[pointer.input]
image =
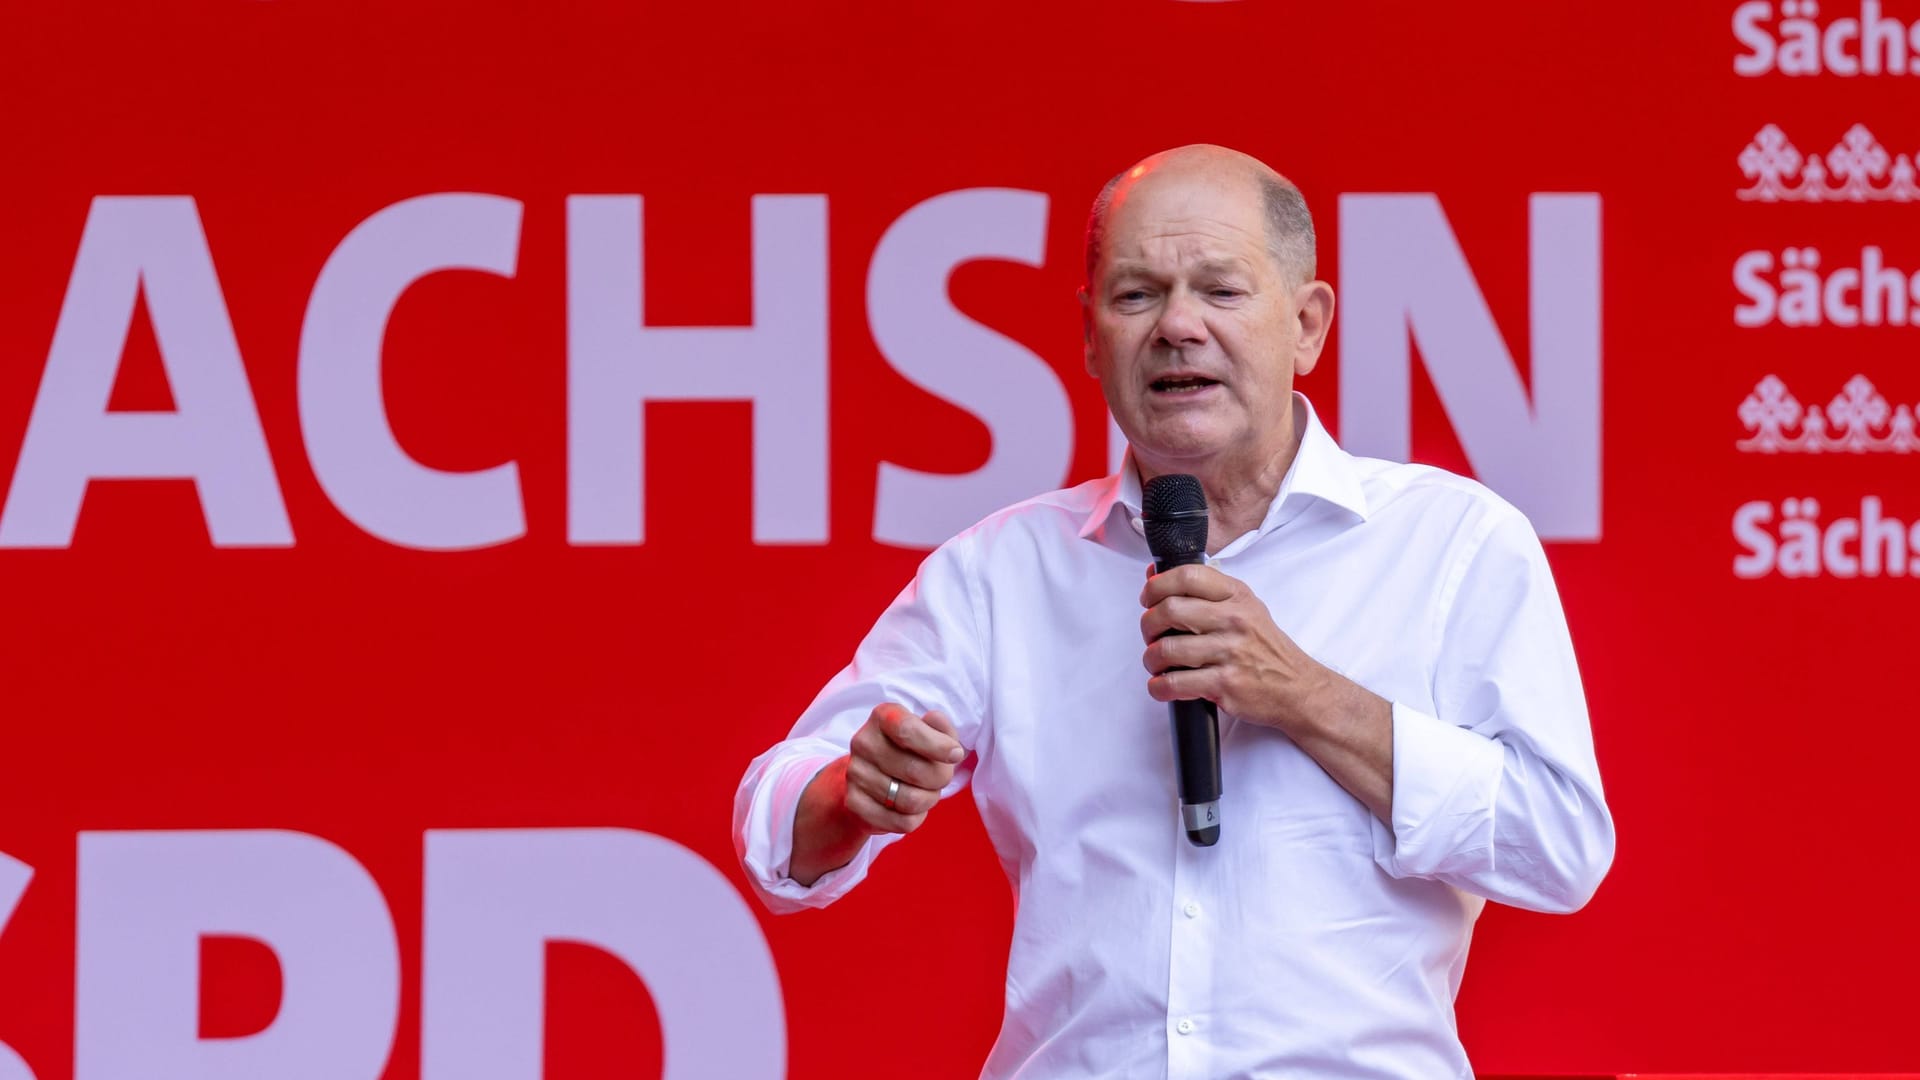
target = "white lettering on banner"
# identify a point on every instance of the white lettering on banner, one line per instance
(15, 876)
(1869, 545)
(145, 899)
(616, 364)
(939, 349)
(343, 417)
(1872, 44)
(213, 436)
(1869, 293)
(494, 898)
(1403, 277)
(1402, 269)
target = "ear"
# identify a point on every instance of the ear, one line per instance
(1314, 304)
(1086, 331)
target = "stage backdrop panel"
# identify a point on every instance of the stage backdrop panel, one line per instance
(443, 443)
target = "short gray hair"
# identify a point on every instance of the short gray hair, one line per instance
(1290, 236)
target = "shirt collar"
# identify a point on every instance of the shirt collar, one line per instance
(1320, 470)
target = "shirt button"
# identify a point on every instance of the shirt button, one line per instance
(1184, 1027)
(1192, 909)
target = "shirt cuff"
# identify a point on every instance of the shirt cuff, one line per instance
(1446, 780)
(768, 848)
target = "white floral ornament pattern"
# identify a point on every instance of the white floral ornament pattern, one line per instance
(1862, 169)
(1857, 421)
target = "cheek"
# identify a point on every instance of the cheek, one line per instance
(1264, 355)
(1113, 349)
(1279, 333)
(1112, 328)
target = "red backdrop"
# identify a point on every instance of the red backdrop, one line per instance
(1754, 735)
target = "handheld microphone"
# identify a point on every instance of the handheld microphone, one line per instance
(1173, 513)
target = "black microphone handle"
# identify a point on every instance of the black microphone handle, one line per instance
(1196, 749)
(1196, 753)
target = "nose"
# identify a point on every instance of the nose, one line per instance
(1181, 324)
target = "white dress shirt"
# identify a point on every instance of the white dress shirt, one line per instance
(1313, 941)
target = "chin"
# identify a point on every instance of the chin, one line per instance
(1173, 447)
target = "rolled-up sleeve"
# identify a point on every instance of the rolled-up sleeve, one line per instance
(1497, 792)
(925, 652)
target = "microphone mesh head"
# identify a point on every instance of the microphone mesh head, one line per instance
(1173, 512)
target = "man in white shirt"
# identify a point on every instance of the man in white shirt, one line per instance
(1403, 733)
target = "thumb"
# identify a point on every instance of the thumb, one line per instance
(940, 722)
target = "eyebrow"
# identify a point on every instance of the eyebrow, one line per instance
(1224, 266)
(1209, 267)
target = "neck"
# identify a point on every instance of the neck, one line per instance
(1240, 488)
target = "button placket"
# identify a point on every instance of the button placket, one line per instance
(1190, 967)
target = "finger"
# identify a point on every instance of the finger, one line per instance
(899, 763)
(1182, 614)
(1181, 651)
(908, 798)
(887, 712)
(912, 733)
(868, 809)
(1195, 580)
(1187, 684)
(877, 741)
(942, 723)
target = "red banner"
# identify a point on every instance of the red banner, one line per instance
(442, 445)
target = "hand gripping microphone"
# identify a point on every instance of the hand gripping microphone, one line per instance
(1173, 512)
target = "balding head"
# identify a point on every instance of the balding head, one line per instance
(1290, 237)
(1200, 311)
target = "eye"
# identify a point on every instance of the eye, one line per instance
(1221, 292)
(1130, 296)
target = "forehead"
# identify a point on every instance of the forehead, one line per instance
(1184, 219)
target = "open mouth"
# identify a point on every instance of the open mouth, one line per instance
(1182, 384)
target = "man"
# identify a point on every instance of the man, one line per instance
(1413, 742)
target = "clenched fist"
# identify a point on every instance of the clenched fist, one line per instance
(892, 775)
(897, 766)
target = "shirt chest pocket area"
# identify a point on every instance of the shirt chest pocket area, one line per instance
(1318, 873)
